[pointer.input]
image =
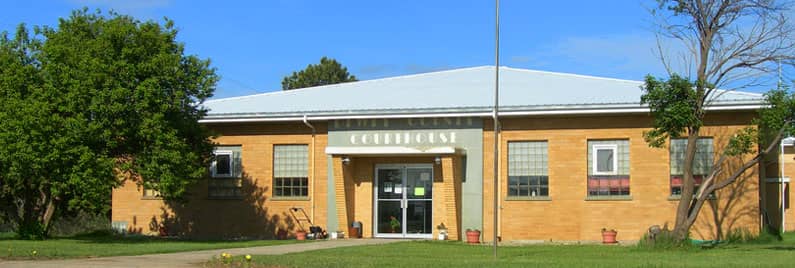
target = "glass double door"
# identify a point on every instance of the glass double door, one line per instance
(403, 201)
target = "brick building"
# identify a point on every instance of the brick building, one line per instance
(406, 154)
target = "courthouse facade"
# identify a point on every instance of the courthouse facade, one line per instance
(406, 155)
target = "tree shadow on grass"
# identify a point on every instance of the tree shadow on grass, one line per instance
(787, 248)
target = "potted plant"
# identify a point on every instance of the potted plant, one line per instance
(300, 235)
(442, 231)
(473, 236)
(609, 236)
(394, 224)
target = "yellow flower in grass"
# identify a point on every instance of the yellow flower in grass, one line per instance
(34, 253)
(248, 257)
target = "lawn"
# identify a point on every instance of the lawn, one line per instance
(439, 254)
(98, 245)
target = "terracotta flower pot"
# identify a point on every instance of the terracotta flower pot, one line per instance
(609, 237)
(354, 232)
(300, 235)
(473, 236)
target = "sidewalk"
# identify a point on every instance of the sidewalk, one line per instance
(192, 258)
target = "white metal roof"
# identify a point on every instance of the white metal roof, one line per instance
(462, 92)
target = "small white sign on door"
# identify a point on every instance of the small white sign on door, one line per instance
(387, 187)
(398, 188)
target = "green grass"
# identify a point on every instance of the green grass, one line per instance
(98, 245)
(439, 254)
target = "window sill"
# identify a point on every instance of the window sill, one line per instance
(151, 198)
(288, 198)
(224, 198)
(528, 198)
(609, 198)
(679, 197)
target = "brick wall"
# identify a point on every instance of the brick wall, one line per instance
(568, 216)
(257, 214)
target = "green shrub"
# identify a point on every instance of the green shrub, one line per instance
(739, 235)
(664, 240)
(80, 223)
(768, 235)
(743, 235)
(31, 231)
(5, 224)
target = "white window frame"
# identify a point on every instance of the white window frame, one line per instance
(595, 160)
(231, 164)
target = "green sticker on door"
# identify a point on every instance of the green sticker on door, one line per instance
(419, 191)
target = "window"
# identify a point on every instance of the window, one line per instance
(149, 191)
(608, 168)
(605, 161)
(290, 170)
(527, 169)
(226, 173)
(702, 162)
(222, 166)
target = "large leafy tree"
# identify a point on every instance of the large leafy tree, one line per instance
(728, 44)
(328, 72)
(99, 99)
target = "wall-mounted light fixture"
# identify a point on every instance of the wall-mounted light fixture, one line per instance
(346, 160)
(437, 160)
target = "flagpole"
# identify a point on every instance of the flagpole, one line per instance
(496, 126)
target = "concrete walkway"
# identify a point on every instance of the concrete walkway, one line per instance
(192, 258)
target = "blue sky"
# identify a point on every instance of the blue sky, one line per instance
(254, 44)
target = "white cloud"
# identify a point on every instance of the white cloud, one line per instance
(628, 56)
(625, 56)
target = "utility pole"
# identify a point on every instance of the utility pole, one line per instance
(780, 82)
(496, 125)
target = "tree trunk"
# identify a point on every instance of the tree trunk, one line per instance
(34, 216)
(683, 211)
(47, 217)
(687, 208)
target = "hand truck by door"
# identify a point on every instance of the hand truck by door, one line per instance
(315, 232)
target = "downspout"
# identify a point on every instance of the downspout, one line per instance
(312, 167)
(781, 162)
(781, 185)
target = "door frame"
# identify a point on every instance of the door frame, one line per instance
(403, 202)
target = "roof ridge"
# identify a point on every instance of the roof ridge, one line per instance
(456, 70)
(572, 75)
(730, 91)
(294, 91)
